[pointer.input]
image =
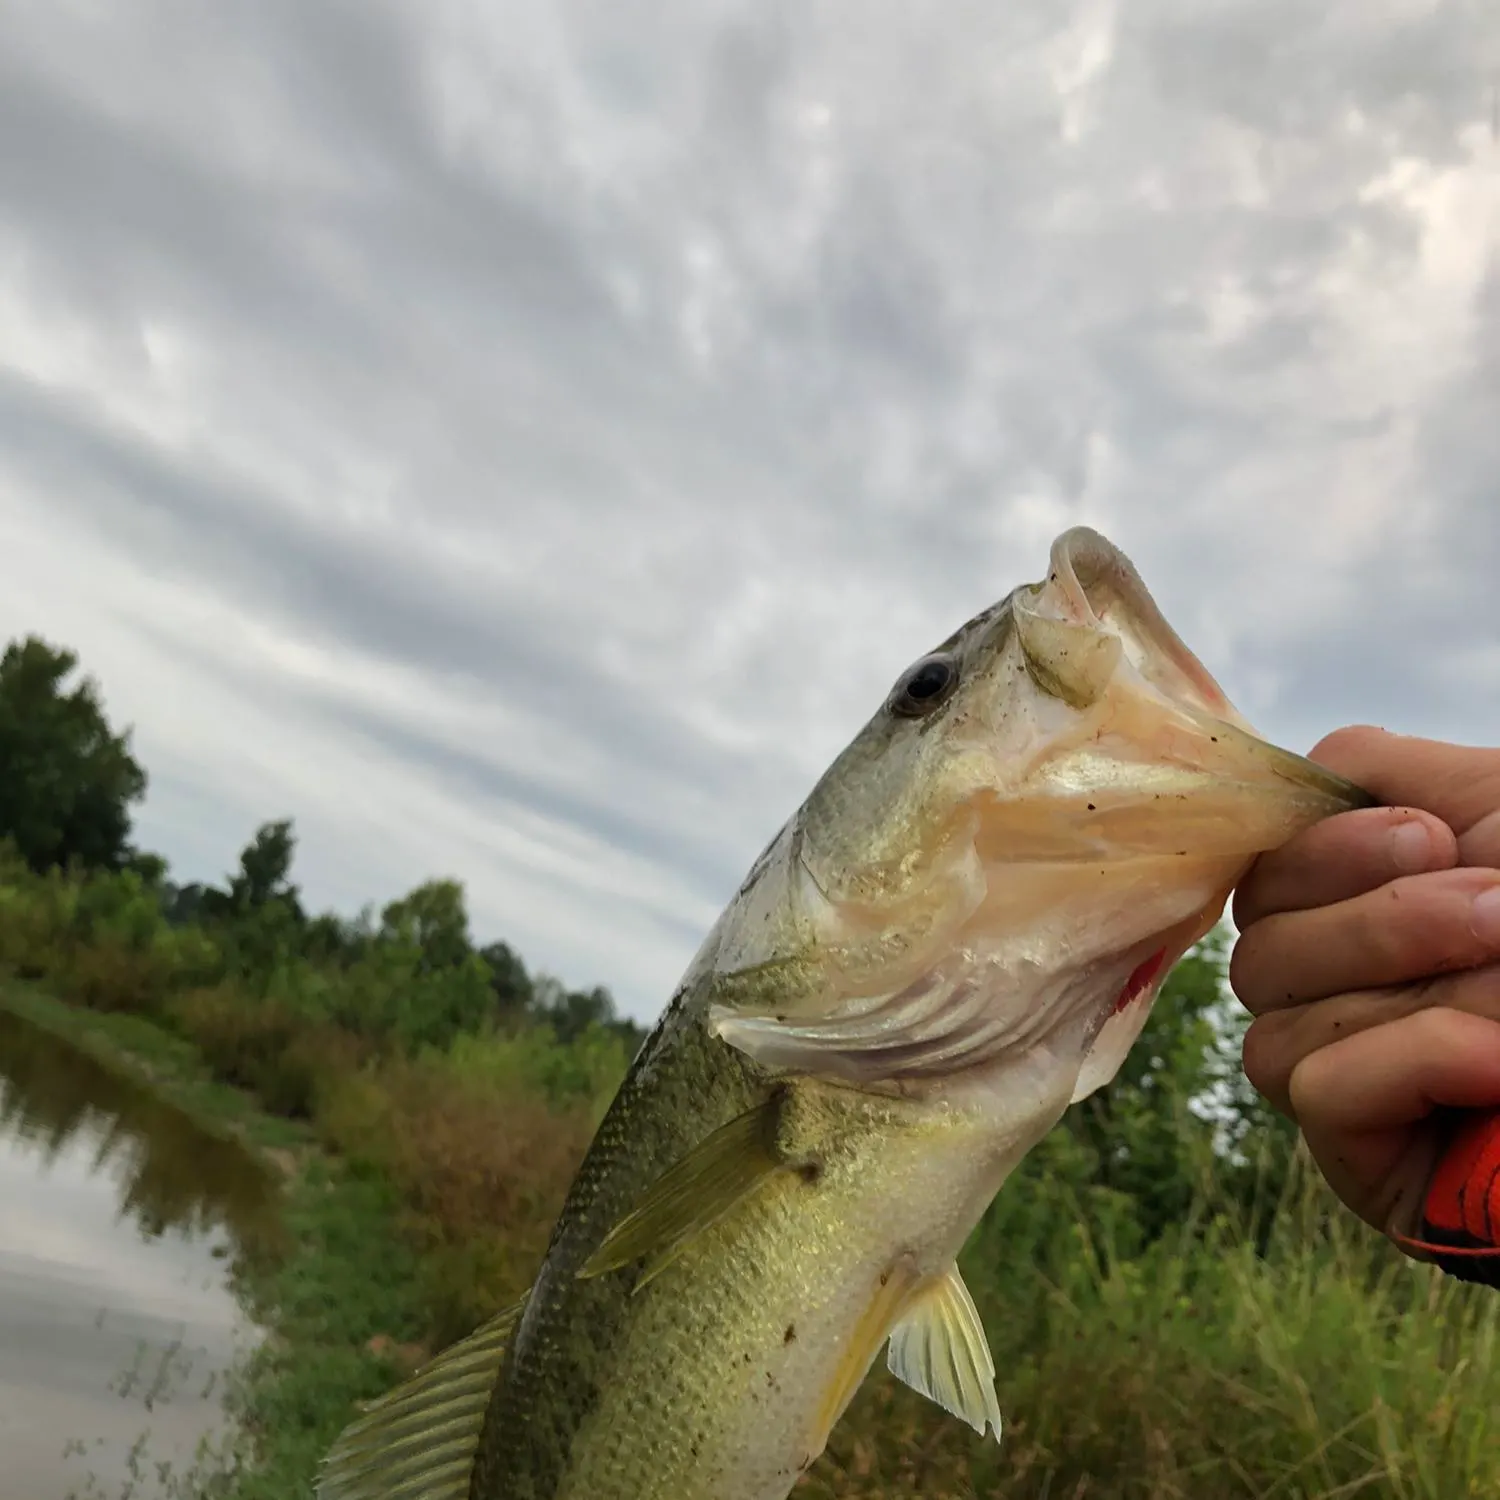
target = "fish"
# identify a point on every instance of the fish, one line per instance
(958, 934)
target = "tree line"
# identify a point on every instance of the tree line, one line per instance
(69, 782)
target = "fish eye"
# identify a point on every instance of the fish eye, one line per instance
(925, 686)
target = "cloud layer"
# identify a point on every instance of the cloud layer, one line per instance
(523, 442)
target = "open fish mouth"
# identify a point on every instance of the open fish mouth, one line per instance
(1090, 796)
(1140, 749)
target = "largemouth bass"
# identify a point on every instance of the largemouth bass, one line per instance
(960, 932)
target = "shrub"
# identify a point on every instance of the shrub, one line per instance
(584, 1072)
(264, 1046)
(484, 1172)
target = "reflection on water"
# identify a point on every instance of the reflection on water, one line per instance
(117, 1214)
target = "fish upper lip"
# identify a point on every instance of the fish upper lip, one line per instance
(1082, 559)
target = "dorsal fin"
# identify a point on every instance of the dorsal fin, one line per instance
(417, 1442)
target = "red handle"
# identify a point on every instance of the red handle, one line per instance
(1461, 1214)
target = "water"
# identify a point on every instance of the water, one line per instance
(118, 1220)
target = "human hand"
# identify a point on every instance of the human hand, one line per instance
(1370, 956)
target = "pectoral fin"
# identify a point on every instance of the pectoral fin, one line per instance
(939, 1349)
(418, 1442)
(721, 1172)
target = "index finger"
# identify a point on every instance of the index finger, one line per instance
(1458, 783)
(1342, 857)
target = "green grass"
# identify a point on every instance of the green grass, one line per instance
(141, 1049)
(345, 1294)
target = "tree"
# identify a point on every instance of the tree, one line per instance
(184, 904)
(67, 781)
(573, 1013)
(260, 917)
(265, 873)
(508, 979)
(433, 919)
(152, 868)
(581, 1009)
(331, 939)
(432, 985)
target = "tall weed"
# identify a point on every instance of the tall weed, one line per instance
(483, 1172)
(1327, 1366)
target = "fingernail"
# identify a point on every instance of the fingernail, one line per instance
(1411, 847)
(1484, 916)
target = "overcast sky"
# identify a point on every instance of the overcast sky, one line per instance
(523, 440)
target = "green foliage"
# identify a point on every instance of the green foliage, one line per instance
(584, 1071)
(256, 1047)
(433, 922)
(346, 1308)
(571, 1014)
(509, 980)
(264, 875)
(386, 995)
(258, 918)
(67, 781)
(482, 1172)
(102, 941)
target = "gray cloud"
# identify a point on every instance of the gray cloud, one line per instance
(527, 443)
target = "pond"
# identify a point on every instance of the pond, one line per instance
(119, 1219)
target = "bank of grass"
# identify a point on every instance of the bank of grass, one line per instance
(145, 1050)
(1280, 1355)
(421, 1206)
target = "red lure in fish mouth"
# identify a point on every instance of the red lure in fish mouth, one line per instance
(1141, 979)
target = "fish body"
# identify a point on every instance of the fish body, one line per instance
(960, 932)
(726, 1370)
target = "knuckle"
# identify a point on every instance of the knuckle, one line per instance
(1246, 966)
(1264, 1056)
(1480, 845)
(1472, 991)
(1347, 746)
(1437, 1028)
(1398, 931)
